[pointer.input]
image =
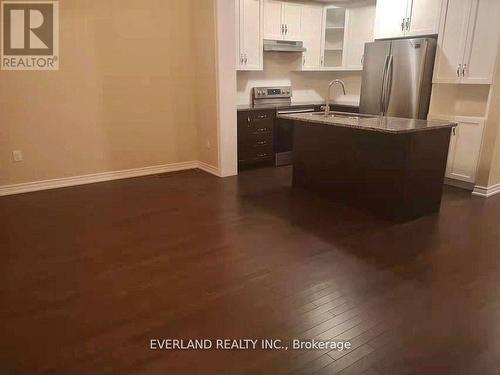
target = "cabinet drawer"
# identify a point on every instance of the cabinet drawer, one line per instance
(255, 151)
(256, 140)
(251, 116)
(255, 156)
(255, 122)
(255, 127)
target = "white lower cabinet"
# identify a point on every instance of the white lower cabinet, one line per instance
(465, 147)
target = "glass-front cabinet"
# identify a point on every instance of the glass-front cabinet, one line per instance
(334, 37)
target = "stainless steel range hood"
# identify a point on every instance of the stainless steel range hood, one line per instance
(283, 46)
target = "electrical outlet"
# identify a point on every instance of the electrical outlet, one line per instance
(17, 155)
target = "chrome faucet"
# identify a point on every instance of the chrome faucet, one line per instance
(328, 100)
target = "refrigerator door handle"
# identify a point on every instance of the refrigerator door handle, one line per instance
(383, 84)
(388, 88)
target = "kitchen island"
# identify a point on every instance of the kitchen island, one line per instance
(392, 167)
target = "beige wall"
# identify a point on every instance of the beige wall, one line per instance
(124, 97)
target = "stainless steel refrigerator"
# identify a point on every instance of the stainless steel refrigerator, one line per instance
(397, 77)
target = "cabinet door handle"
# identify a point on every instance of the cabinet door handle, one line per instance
(403, 25)
(286, 29)
(303, 59)
(262, 129)
(262, 142)
(408, 24)
(282, 29)
(246, 59)
(454, 131)
(464, 69)
(459, 69)
(261, 117)
(261, 155)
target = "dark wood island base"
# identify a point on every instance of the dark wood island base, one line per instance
(395, 175)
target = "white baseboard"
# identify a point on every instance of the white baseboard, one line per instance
(104, 176)
(459, 184)
(209, 168)
(485, 192)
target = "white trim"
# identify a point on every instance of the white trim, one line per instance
(225, 16)
(209, 168)
(104, 176)
(459, 184)
(486, 192)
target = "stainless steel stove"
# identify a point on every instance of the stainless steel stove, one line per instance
(265, 96)
(280, 97)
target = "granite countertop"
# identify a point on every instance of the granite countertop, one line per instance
(382, 124)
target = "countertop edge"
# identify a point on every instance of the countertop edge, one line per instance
(442, 125)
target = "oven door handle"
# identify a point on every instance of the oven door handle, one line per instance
(296, 111)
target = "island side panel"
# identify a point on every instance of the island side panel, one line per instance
(425, 172)
(359, 167)
(394, 175)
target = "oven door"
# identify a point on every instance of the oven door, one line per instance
(283, 137)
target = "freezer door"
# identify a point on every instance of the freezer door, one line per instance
(409, 78)
(374, 68)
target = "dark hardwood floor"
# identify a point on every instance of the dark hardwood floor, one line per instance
(90, 274)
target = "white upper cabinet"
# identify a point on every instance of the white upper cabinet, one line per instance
(282, 20)
(292, 18)
(390, 18)
(312, 26)
(334, 38)
(451, 42)
(360, 21)
(467, 43)
(403, 18)
(249, 35)
(482, 40)
(273, 22)
(423, 17)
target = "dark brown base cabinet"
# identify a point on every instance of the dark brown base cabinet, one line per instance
(396, 176)
(256, 138)
(257, 135)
